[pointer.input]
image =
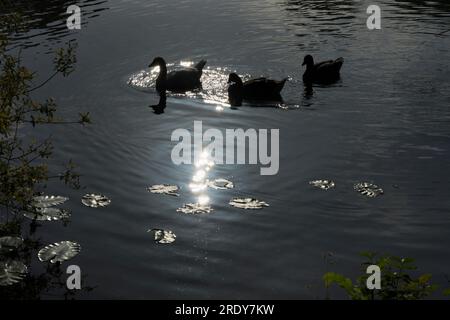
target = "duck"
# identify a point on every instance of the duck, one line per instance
(322, 72)
(183, 80)
(254, 89)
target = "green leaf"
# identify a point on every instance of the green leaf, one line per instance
(424, 279)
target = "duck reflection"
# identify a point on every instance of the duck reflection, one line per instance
(159, 108)
(308, 90)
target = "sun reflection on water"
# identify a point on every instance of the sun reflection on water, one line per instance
(199, 182)
(186, 64)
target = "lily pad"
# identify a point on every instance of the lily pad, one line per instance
(10, 243)
(220, 184)
(48, 201)
(11, 272)
(163, 236)
(59, 251)
(48, 214)
(248, 203)
(323, 184)
(368, 189)
(171, 190)
(95, 200)
(195, 208)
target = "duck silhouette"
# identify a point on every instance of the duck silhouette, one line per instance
(258, 89)
(180, 81)
(159, 108)
(322, 72)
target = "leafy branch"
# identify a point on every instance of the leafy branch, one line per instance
(397, 280)
(23, 160)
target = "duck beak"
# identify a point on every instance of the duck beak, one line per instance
(151, 65)
(303, 63)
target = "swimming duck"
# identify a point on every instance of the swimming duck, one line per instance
(322, 72)
(179, 80)
(254, 89)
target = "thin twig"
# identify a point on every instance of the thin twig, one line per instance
(43, 83)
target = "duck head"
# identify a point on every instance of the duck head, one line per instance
(234, 79)
(158, 61)
(308, 61)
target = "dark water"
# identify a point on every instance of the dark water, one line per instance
(386, 121)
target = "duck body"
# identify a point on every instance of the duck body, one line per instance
(255, 89)
(322, 72)
(183, 80)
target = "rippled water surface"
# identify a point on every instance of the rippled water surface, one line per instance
(386, 122)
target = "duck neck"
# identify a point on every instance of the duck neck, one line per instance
(162, 77)
(162, 71)
(309, 66)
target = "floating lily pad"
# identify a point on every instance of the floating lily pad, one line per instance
(323, 184)
(48, 201)
(171, 190)
(95, 200)
(368, 189)
(195, 208)
(10, 243)
(59, 251)
(11, 272)
(48, 214)
(163, 236)
(248, 203)
(220, 184)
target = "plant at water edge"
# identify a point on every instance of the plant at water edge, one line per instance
(397, 280)
(23, 159)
